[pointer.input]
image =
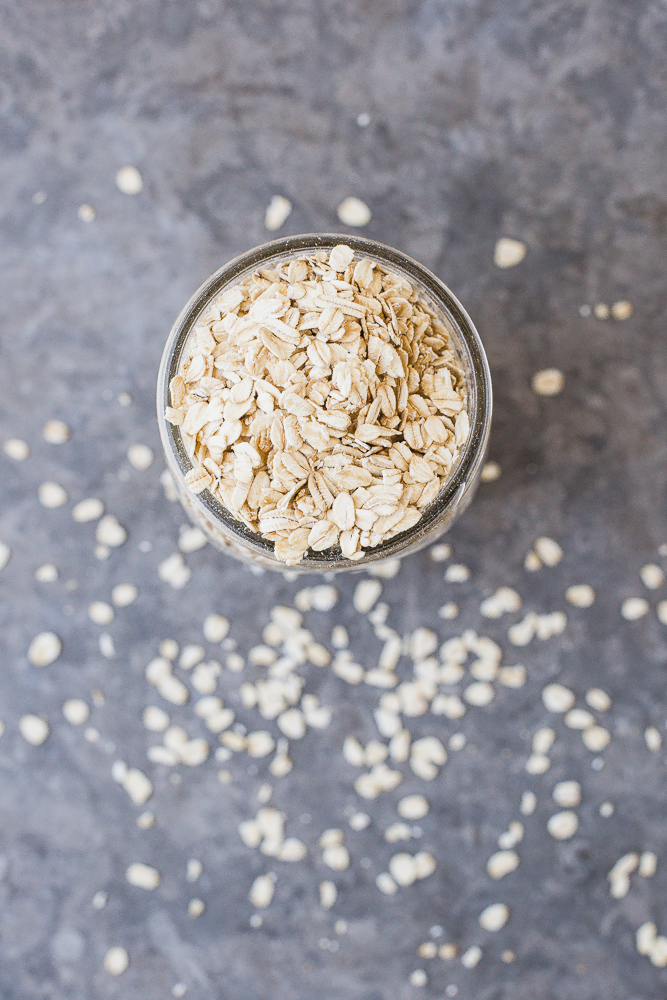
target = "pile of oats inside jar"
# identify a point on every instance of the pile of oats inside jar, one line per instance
(322, 402)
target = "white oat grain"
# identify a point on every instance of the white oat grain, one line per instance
(353, 212)
(129, 180)
(634, 608)
(16, 449)
(509, 252)
(652, 576)
(44, 649)
(261, 892)
(581, 595)
(34, 729)
(143, 876)
(140, 456)
(557, 698)
(52, 495)
(88, 510)
(277, 212)
(563, 825)
(494, 917)
(56, 432)
(110, 532)
(116, 960)
(548, 382)
(100, 612)
(76, 711)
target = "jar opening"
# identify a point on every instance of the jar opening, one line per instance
(459, 485)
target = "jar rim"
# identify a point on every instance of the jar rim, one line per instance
(468, 343)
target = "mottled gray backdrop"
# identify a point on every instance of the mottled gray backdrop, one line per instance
(542, 120)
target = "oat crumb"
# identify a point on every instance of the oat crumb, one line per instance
(509, 252)
(16, 449)
(277, 213)
(353, 212)
(56, 432)
(116, 961)
(548, 382)
(129, 180)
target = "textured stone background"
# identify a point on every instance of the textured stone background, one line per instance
(538, 119)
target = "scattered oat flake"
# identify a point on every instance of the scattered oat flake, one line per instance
(622, 310)
(52, 495)
(366, 594)
(528, 803)
(140, 456)
(386, 884)
(502, 863)
(646, 937)
(191, 539)
(124, 594)
(567, 794)
(557, 698)
(652, 576)
(110, 532)
(174, 571)
(598, 699)
(56, 432)
(129, 180)
(5, 555)
(563, 825)
(581, 595)
(76, 711)
(471, 958)
(143, 876)
(490, 472)
(548, 551)
(648, 863)
(653, 739)
(548, 382)
(328, 894)
(137, 786)
(601, 310)
(448, 611)
(196, 907)
(47, 573)
(596, 738)
(34, 729)
(116, 961)
(100, 612)
(661, 612)
(215, 628)
(353, 212)
(494, 917)
(413, 807)
(418, 978)
(278, 212)
(457, 573)
(44, 649)
(503, 601)
(509, 252)
(88, 510)
(634, 608)
(17, 449)
(86, 213)
(261, 892)
(440, 552)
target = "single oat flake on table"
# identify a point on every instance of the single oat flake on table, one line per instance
(322, 402)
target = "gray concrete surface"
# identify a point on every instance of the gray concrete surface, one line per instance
(542, 121)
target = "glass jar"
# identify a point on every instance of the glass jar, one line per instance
(231, 535)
